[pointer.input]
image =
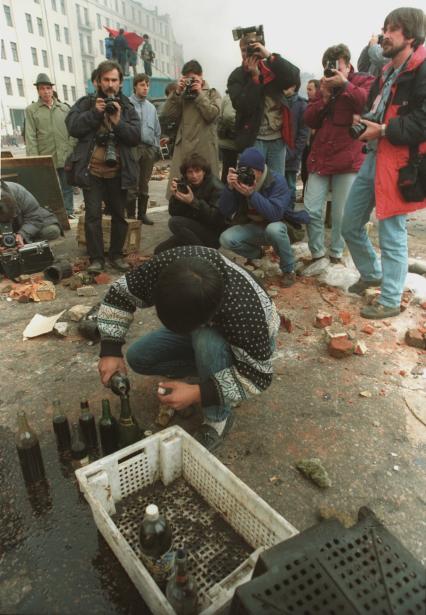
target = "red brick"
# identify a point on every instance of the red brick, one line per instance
(102, 278)
(323, 320)
(415, 338)
(345, 317)
(340, 348)
(368, 329)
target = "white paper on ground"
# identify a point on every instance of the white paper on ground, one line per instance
(39, 325)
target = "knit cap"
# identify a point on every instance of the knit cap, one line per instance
(251, 157)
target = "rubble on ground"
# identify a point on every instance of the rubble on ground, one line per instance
(315, 471)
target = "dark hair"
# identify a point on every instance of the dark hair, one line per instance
(195, 161)
(193, 66)
(188, 294)
(145, 36)
(315, 82)
(411, 21)
(334, 53)
(121, 31)
(8, 205)
(171, 87)
(106, 66)
(139, 78)
(94, 75)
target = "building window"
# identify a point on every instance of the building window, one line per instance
(40, 26)
(3, 50)
(8, 15)
(70, 66)
(80, 36)
(162, 47)
(73, 92)
(54, 5)
(63, 7)
(14, 50)
(57, 32)
(86, 16)
(44, 56)
(61, 62)
(67, 36)
(101, 48)
(89, 45)
(65, 91)
(98, 17)
(29, 23)
(20, 85)
(8, 86)
(34, 56)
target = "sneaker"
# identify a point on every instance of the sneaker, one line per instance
(378, 311)
(359, 287)
(288, 279)
(96, 266)
(209, 437)
(145, 220)
(119, 263)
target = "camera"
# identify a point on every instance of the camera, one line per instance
(356, 130)
(254, 32)
(110, 108)
(380, 39)
(182, 186)
(330, 67)
(187, 92)
(245, 176)
(7, 236)
(32, 258)
(108, 140)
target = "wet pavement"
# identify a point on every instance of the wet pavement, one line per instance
(53, 559)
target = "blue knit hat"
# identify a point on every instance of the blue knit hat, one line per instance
(251, 157)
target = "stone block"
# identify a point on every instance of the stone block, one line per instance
(339, 348)
(415, 338)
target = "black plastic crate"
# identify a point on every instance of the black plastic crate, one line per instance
(329, 570)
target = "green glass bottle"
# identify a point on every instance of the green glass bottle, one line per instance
(128, 429)
(108, 429)
(29, 452)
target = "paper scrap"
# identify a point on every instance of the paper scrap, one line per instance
(40, 325)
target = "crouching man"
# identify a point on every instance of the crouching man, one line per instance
(30, 222)
(206, 332)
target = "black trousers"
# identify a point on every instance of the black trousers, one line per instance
(229, 159)
(93, 197)
(188, 232)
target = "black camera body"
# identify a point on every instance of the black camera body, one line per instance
(187, 92)
(108, 140)
(182, 186)
(7, 236)
(330, 67)
(246, 176)
(356, 130)
(32, 258)
(110, 108)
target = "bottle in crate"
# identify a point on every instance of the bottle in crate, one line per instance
(181, 590)
(108, 429)
(155, 538)
(29, 452)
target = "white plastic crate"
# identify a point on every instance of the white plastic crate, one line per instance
(167, 456)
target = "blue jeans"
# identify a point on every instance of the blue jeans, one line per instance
(203, 352)
(291, 177)
(67, 192)
(247, 239)
(274, 152)
(392, 237)
(315, 196)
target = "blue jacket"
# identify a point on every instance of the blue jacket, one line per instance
(293, 157)
(272, 203)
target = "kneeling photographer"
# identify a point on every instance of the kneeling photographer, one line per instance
(195, 217)
(107, 127)
(258, 203)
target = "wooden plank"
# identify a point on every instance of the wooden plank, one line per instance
(38, 175)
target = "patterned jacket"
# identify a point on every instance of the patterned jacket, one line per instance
(247, 319)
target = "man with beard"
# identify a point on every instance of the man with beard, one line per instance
(107, 127)
(394, 129)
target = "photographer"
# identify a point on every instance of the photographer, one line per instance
(258, 203)
(193, 207)
(371, 59)
(107, 127)
(255, 88)
(393, 176)
(334, 158)
(23, 215)
(195, 108)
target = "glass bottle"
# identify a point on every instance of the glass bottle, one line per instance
(181, 590)
(119, 384)
(61, 427)
(155, 539)
(108, 429)
(128, 429)
(79, 450)
(88, 425)
(29, 452)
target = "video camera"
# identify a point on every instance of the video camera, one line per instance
(32, 258)
(7, 236)
(253, 34)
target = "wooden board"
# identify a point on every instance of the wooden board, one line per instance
(38, 175)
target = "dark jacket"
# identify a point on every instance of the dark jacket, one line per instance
(205, 207)
(300, 131)
(248, 96)
(31, 217)
(272, 203)
(83, 121)
(333, 150)
(405, 119)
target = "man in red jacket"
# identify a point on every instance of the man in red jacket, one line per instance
(394, 125)
(335, 158)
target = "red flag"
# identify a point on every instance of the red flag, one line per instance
(133, 39)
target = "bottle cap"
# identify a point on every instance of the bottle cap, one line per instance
(151, 512)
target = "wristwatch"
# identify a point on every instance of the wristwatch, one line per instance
(383, 130)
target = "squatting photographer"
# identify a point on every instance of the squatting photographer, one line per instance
(107, 127)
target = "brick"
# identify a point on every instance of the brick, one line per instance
(335, 332)
(360, 348)
(322, 320)
(414, 338)
(345, 317)
(368, 329)
(102, 278)
(86, 291)
(339, 348)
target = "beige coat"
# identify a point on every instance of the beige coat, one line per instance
(196, 133)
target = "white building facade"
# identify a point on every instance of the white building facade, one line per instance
(65, 39)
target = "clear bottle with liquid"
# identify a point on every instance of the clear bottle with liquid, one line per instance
(181, 590)
(29, 452)
(155, 539)
(79, 451)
